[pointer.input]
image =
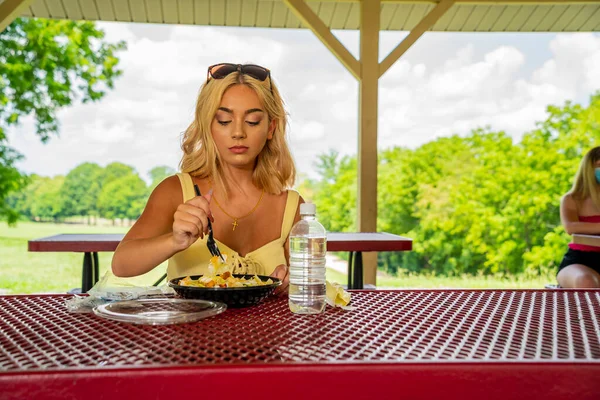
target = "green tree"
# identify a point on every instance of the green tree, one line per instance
(335, 194)
(158, 174)
(81, 189)
(22, 200)
(475, 204)
(47, 205)
(123, 197)
(46, 65)
(10, 180)
(114, 171)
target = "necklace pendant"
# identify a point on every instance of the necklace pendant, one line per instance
(235, 224)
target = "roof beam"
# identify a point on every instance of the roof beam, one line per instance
(505, 2)
(11, 9)
(315, 24)
(430, 19)
(474, 2)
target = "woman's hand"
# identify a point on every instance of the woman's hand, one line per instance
(282, 272)
(190, 221)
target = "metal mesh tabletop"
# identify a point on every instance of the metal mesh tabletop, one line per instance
(435, 344)
(37, 333)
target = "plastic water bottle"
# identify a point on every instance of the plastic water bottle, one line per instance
(308, 247)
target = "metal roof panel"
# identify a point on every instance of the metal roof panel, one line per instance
(465, 16)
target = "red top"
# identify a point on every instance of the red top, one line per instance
(586, 247)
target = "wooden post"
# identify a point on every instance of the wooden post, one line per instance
(370, 12)
(367, 71)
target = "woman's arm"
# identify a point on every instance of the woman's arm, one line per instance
(166, 227)
(569, 217)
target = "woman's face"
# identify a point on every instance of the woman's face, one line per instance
(241, 127)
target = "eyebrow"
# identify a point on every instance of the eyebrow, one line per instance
(250, 111)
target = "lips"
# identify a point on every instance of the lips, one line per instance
(238, 149)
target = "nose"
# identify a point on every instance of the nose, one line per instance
(238, 131)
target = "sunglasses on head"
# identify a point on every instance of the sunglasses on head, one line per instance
(220, 71)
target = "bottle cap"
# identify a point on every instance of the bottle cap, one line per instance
(308, 209)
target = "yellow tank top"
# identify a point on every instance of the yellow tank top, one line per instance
(262, 261)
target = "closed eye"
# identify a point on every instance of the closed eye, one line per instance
(251, 123)
(224, 123)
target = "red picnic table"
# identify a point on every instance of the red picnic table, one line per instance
(413, 344)
(91, 244)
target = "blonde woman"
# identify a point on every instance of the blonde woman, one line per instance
(580, 213)
(236, 152)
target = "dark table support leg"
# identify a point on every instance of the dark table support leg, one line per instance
(96, 276)
(90, 272)
(358, 271)
(350, 255)
(87, 273)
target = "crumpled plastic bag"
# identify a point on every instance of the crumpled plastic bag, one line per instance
(104, 291)
(336, 296)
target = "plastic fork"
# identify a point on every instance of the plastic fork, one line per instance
(210, 242)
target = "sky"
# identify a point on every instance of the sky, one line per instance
(447, 83)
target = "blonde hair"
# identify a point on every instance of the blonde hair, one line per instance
(274, 170)
(585, 185)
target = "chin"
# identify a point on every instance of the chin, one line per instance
(246, 163)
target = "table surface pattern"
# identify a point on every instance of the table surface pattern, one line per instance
(547, 326)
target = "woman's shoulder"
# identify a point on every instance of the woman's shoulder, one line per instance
(294, 199)
(292, 195)
(570, 202)
(568, 198)
(287, 201)
(169, 183)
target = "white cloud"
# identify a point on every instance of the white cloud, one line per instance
(445, 84)
(100, 131)
(309, 131)
(467, 91)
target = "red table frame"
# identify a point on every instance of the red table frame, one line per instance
(91, 244)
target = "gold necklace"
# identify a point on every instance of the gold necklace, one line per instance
(236, 219)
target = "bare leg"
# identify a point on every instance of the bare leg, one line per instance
(578, 276)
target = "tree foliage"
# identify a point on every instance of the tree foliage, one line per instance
(88, 190)
(476, 204)
(81, 189)
(46, 65)
(123, 197)
(158, 174)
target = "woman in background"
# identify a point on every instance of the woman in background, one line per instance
(580, 213)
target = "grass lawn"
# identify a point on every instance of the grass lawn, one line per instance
(32, 272)
(415, 281)
(25, 272)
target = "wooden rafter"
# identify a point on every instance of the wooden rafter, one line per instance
(11, 9)
(430, 19)
(305, 14)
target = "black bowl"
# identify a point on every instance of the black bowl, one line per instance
(233, 297)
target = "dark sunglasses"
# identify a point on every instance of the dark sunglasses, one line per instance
(220, 71)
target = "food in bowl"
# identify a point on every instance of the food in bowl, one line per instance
(224, 280)
(219, 276)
